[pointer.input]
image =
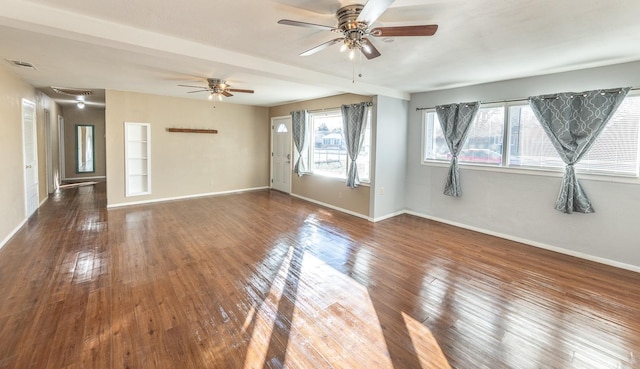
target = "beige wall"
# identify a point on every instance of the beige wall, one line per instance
(327, 190)
(185, 164)
(12, 198)
(88, 115)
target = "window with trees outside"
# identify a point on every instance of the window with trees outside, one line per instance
(514, 126)
(328, 150)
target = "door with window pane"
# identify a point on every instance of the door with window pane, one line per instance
(281, 154)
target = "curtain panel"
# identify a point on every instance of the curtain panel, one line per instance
(455, 120)
(573, 121)
(354, 123)
(299, 122)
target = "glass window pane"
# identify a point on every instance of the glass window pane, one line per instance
(529, 146)
(484, 143)
(615, 151)
(329, 152)
(435, 147)
(364, 159)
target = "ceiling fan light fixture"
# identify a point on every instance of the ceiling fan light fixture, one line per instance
(352, 54)
(80, 105)
(344, 47)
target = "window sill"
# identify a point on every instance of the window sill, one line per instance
(537, 172)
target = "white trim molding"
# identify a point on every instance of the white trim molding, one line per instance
(165, 199)
(12, 233)
(388, 216)
(83, 178)
(332, 207)
(525, 241)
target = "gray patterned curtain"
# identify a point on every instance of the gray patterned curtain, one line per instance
(354, 122)
(573, 121)
(299, 127)
(455, 120)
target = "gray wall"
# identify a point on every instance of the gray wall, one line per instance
(389, 147)
(521, 205)
(88, 115)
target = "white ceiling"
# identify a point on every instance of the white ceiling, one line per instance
(152, 46)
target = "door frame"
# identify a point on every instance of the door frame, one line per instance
(61, 156)
(51, 183)
(29, 212)
(273, 131)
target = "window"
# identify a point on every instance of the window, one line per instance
(484, 142)
(615, 152)
(328, 148)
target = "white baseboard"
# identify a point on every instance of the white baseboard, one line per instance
(83, 178)
(378, 219)
(332, 207)
(541, 245)
(165, 199)
(12, 233)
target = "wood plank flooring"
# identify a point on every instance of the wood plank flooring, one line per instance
(264, 280)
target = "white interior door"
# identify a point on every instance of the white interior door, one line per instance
(30, 146)
(61, 167)
(51, 183)
(281, 154)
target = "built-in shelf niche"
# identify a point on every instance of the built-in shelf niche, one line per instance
(137, 152)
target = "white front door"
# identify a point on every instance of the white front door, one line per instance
(30, 146)
(281, 154)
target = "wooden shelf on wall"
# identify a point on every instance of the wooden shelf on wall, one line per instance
(193, 130)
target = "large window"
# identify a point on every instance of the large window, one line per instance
(328, 153)
(515, 127)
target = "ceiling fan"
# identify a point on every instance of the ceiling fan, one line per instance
(354, 22)
(217, 88)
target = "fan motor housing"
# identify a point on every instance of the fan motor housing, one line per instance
(348, 18)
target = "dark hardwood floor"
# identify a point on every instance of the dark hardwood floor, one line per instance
(264, 280)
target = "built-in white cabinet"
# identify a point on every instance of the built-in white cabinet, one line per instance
(137, 153)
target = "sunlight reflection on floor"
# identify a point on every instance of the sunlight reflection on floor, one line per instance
(329, 301)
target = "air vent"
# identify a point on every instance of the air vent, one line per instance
(72, 91)
(22, 64)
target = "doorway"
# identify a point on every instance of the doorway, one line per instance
(281, 154)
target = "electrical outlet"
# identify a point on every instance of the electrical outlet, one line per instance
(339, 195)
(381, 190)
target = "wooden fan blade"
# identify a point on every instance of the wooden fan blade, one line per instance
(225, 93)
(191, 86)
(372, 10)
(289, 22)
(426, 30)
(190, 92)
(239, 90)
(372, 52)
(322, 46)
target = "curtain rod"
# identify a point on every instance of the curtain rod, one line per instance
(335, 108)
(514, 100)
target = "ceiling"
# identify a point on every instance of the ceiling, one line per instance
(152, 46)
